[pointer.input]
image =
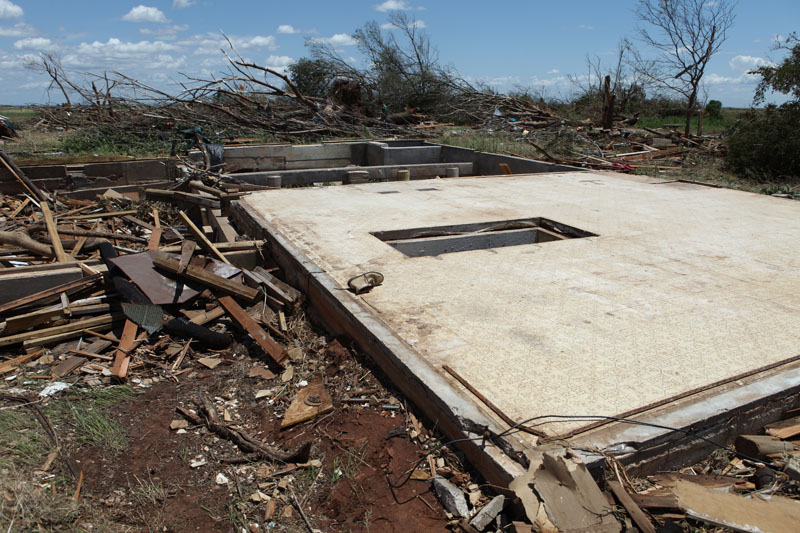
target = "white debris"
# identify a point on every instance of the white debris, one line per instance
(53, 388)
(222, 479)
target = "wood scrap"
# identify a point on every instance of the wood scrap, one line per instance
(310, 402)
(277, 352)
(204, 242)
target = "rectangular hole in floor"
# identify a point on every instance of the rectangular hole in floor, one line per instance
(438, 240)
(387, 192)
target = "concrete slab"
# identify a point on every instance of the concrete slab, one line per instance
(683, 288)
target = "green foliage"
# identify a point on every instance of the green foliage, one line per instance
(765, 144)
(107, 140)
(94, 427)
(783, 77)
(312, 77)
(714, 109)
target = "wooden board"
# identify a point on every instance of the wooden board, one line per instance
(277, 352)
(55, 240)
(204, 242)
(55, 330)
(785, 429)
(122, 357)
(52, 294)
(218, 283)
(310, 402)
(642, 521)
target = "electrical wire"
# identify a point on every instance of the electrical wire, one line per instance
(516, 428)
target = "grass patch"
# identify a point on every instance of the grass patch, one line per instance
(107, 396)
(94, 427)
(22, 440)
(711, 125)
(19, 113)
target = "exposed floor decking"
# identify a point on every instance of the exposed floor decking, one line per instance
(684, 285)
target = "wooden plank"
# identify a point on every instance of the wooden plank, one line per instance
(55, 240)
(122, 357)
(277, 352)
(223, 231)
(203, 317)
(104, 214)
(737, 512)
(187, 249)
(505, 168)
(287, 294)
(238, 246)
(204, 242)
(49, 295)
(785, 429)
(760, 446)
(635, 512)
(68, 365)
(206, 278)
(155, 239)
(20, 207)
(310, 402)
(11, 364)
(56, 330)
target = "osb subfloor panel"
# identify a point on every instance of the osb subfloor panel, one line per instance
(684, 286)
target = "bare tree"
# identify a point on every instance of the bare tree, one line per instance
(686, 34)
(50, 63)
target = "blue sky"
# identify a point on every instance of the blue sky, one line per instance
(533, 43)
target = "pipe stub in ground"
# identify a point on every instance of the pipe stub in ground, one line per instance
(403, 175)
(365, 282)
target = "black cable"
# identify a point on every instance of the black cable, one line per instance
(516, 429)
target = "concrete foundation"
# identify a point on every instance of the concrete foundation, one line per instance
(679, 304)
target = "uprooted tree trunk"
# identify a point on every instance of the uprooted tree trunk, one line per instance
(23, 240)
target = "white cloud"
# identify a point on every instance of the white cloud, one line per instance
(35, 85)
(33, 43)
(17, 30)
(259, 41)
(180, 4)
(586, 27)
(279, 61)
(340, 39)
(142, 13)
(554, 71)
(417, 24)
(393, 5)
(287, 28)
(9, 10)
(743, 64)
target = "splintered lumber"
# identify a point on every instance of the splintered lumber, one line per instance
(200, 317)
(560, 494)
(104, 214)
(204, 242)
(237, 246)
(155, 239)
(68, 365)
(11, 364)
(761, 446)
(739, 513)
(58, 249)
(49, 295)
(206, 278)
(286, 293)
(311, 401)
(277, 352)
(73, 329)
(195, 199)
(102, 234)
(639, 518)
(122, 357)
(187, 249)
(785, 429)
(21, 177)
(20, 207)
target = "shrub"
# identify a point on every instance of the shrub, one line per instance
(764, 144)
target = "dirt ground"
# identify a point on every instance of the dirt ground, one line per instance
(189, 479)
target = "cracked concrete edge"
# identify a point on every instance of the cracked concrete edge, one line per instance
(719, 414)
(342, 312)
